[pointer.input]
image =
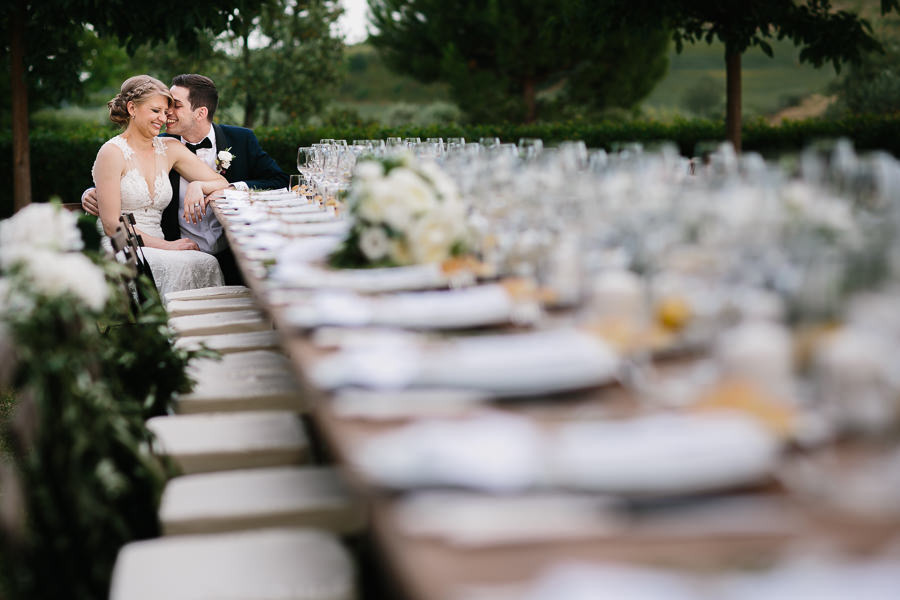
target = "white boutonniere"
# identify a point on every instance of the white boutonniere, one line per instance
(223, 160)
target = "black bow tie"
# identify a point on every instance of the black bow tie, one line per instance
(206, 143)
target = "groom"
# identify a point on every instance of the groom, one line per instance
(190, 119)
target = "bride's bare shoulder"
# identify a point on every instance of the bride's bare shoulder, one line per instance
(171, 142)
(110, 152)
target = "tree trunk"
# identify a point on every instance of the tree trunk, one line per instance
(528, 95)
(249, 101)
(21, 155)
(249, 111)
(733, 98)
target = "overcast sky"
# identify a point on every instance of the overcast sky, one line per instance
(353, 22)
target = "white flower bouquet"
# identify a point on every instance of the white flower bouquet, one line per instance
(41, 244)
(404, 212)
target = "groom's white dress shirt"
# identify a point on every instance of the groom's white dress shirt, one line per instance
(207, 233)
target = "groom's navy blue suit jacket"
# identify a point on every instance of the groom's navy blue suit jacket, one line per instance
(250, 164)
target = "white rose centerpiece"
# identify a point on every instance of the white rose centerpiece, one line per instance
(404, 212)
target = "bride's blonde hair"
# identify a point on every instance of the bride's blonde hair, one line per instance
(137, 89)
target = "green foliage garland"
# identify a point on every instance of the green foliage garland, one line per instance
(84, 475)
(88, 480)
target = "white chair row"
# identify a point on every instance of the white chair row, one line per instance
(249, 518)
(253, 380)
(269, 564)
(259, 498)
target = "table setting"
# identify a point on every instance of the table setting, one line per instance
(558, 349)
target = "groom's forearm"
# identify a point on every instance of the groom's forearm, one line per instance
(89, 202)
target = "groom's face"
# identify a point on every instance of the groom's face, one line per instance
(182, 119)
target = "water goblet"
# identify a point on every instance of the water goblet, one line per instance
(295, 184)
(530, 147)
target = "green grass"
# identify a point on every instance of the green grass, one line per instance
(769, 84)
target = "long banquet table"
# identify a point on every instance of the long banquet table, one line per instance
(432, 569)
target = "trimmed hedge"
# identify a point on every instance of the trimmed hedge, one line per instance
(61, 159)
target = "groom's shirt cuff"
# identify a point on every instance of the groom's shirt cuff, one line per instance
(240, 185)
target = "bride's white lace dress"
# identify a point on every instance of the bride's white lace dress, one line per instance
(173, 270)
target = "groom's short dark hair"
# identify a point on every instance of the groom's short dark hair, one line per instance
(201, 91)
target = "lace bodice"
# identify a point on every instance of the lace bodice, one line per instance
(135, 193)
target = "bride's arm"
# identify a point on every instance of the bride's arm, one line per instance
(108, 170)
(203, 180)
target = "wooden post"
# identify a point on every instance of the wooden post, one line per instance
(528, 93)
(21, 154)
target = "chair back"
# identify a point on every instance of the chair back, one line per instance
(121, 247)
(119, 242)
(136, 243)
(135, 246)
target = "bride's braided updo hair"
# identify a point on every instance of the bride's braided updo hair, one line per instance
(137, 89)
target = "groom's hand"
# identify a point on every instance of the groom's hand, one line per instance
(89, 202)
(194, 210)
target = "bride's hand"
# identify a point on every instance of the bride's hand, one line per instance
(183, 244)
(194, 202)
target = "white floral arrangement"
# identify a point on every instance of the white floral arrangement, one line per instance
(404, 212)
(223, 160)
(40, 246)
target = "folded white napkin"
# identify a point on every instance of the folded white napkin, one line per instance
(807, 577)
(281, 208)
(652, 455)
(306, 250)
(320, 216)
(494, 452)
(664, 454)
(503, 365)
(445, 309)
(334, 227)
(248, 214)
(304, 275)
(280, 192)
(264, 240)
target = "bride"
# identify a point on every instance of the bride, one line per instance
(131, 173)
